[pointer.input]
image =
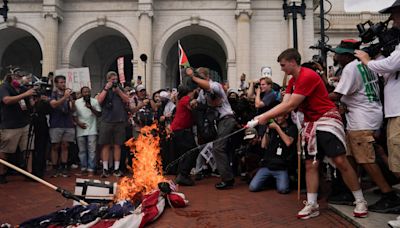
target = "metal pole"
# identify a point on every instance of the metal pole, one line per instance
(322, 29)
(63, 192)
(294, 15)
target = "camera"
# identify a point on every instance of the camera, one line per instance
(256, 85)
(41, 86)
(387, 38)
(87, 99)
(115, 84)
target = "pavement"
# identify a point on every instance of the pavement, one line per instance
(22, 200)
(374, 219)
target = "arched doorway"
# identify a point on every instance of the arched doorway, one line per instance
(99, 48)
(18, 48)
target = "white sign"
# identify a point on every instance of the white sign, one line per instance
(120, 64)
(76, 78)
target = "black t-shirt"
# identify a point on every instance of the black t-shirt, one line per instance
(278, 159)
(13, 115)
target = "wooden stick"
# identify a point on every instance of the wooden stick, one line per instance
(55, 188)
(298, 164)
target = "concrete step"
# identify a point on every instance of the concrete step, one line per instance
(373, 220)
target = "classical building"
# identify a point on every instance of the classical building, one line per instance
(229, 36)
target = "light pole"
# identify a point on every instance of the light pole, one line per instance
(4, 10)
(143, 57)
(294, 10)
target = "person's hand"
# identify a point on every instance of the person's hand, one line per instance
(146, 101)
(273, 125)
(189, 72)
(88, 105)
(30, 92)
(363, 56)
(252, 123)
(258, 90)
(82, 125)
(67, 93)
(193, 103)
(108, 85)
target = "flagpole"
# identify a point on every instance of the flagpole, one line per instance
(179, 61)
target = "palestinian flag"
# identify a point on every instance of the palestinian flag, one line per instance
(183, 60)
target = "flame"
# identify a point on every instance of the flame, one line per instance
(146, 164)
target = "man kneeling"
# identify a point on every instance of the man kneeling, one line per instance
(279, 151)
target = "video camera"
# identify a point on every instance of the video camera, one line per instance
(387, 38)
(41, 85)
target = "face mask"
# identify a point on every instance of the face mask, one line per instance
(16, 83)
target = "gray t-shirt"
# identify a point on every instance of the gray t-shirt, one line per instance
(217, 98)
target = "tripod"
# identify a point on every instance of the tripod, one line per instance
(28, 152)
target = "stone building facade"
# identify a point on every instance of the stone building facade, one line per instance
(230, 36)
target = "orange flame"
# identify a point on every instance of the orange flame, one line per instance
(147, 166)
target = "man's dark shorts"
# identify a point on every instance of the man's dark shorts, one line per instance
(327, 145)
(112, 133)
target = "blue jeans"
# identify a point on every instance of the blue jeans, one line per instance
(281, 177)
(87, 152)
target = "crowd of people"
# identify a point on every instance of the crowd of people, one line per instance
(343, 116)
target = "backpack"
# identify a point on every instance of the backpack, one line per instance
(206, 118)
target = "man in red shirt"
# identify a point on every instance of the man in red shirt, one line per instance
(183, 137)
(322, 134)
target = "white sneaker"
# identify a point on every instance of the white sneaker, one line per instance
(394, 223)
(361, 209)
(309, 211)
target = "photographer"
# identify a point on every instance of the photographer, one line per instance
(389, 67)
(279, 152)
(62, 130)
(114, 118)
(358, 89)
(14, 125)
(87, 111)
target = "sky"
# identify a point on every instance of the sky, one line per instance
(366, 5)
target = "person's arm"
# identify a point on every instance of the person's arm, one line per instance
(7, 100)
(55, 103)
(250, 91)
(285, 107)
(334, 96)
(95, 112)
(387, 65)
(202, 83)
(122, 95)
(102, 96)
(258, 102)
(265, 140)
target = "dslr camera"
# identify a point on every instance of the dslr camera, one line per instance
(115, 84)
(387, 38)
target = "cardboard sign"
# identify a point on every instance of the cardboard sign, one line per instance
(76, 77)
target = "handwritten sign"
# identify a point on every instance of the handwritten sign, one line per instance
(76, 77)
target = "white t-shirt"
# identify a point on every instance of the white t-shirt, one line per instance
(390, 68)
(86, 116)
(360, 89)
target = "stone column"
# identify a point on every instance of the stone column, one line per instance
(243, 16)
(50, 50)
(145, 15)
(52, 14)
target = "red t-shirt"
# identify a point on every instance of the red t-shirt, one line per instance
(183, 117)
(310, 85)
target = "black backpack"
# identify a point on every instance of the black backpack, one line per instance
(206, 118)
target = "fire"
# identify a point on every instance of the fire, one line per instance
(147, 166)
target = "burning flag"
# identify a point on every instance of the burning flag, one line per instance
(140, 199)
(147, 166)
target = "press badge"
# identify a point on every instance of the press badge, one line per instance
(279, 151)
